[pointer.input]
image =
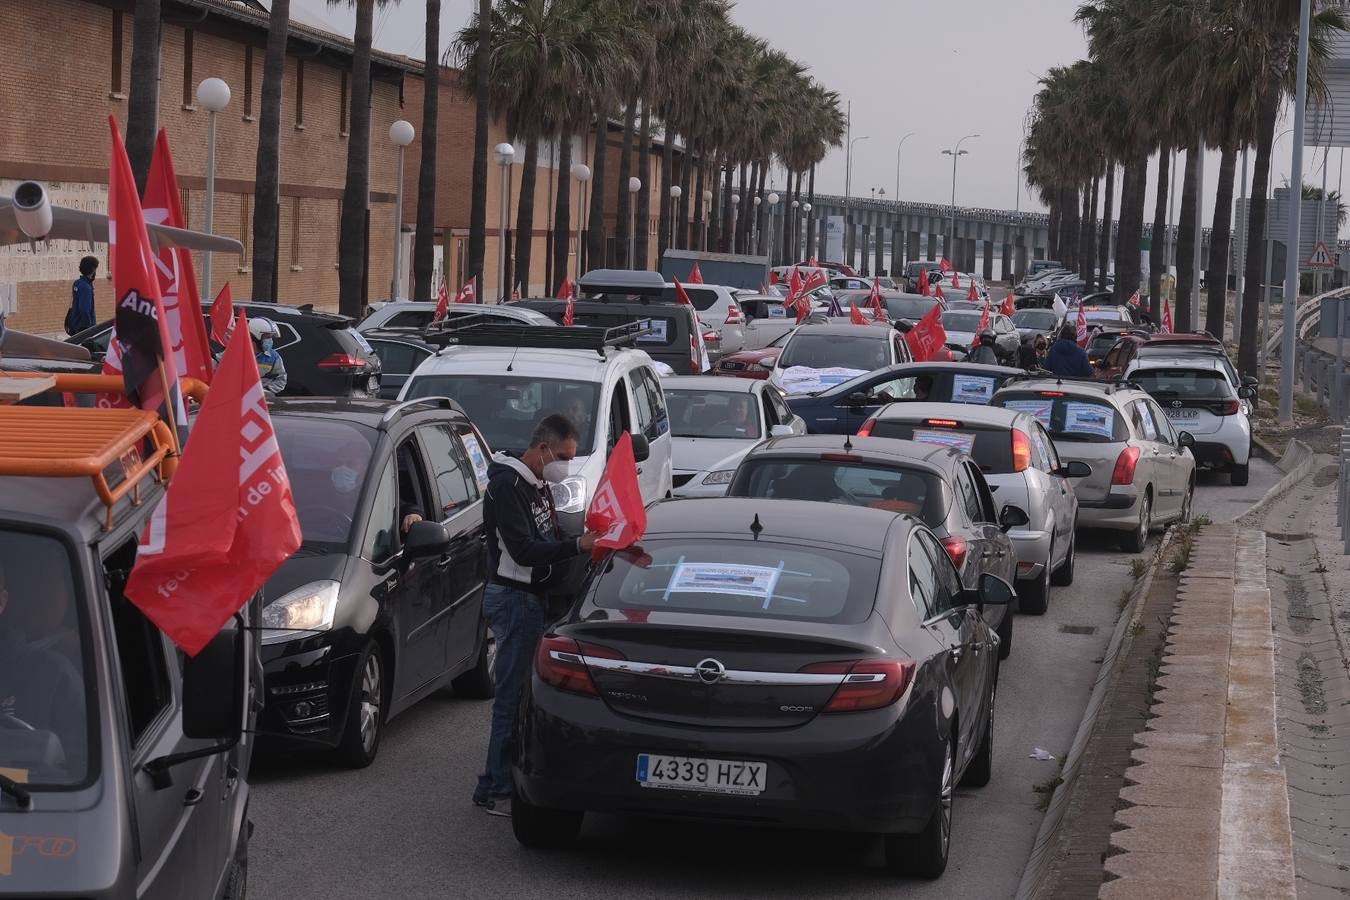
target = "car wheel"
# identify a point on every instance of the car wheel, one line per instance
(1135, 540)
(1239, 475)
(480, 682)
(1063, 576)
(981, 768)
(365, 711)
(1005, 631)
(236, 881)
(925, 854)
(1187, 504)
(544, 829)
(1034, 599)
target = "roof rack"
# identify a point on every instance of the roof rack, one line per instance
(470, 334)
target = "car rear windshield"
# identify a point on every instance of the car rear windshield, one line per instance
(665, 329)
(989, 445)
(1183, 384)
(326, 460)
(506, 408)
(713, 414)
(44, 710)
(824, 351)
(889, 487)
(913, 308)
(1106, 315)
(757, 580)
(1041, 319)
(1082, 419)
(962, 321)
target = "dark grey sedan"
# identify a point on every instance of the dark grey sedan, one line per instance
(770, 662)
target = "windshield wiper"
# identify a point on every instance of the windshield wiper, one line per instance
(17, 791)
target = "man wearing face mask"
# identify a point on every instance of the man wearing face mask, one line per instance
(271, 369)
(523, 544)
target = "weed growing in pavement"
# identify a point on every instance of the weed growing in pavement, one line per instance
(1124, 600)
(1137, 629)
(1199, 522)
(1047, 790)
(1308, 406)
(1278, 570)
(1154, 664)
(1138, 567)
(1181, 551)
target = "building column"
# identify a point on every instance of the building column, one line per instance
(912, 246)
(880, 252)
(988, 270)
(932, 247)
(866, 235)
(1008, 263)
(897, 250)
(850, 239)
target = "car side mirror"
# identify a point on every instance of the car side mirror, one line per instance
(213, 688)
(994, 591)
(642, 448)
(1185, 439)
(1075, 469)
(857, 398)
(426, 539)
(780, 431)
(1247, 393)
(1250, 381)
(1011, 517)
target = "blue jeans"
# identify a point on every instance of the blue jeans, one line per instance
(517, 622)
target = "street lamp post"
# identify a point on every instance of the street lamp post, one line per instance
(754, 226)
(735, 219)
(634, 185)
(213, 95)
(504, 154)
(401, 133)
(675, 192)
(772, 200)
(582, 173)
(898, 148)
(707, 216)
(806, 230)
(791, 249)
(848, 189)
(1291, 260)
(955, 153)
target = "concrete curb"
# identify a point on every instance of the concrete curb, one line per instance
(1117, 649)
(1297, 464)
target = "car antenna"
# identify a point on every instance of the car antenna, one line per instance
(848, 443)
(511, 364)
(755, 527)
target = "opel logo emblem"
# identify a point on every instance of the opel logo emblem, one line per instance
(710, 671)
(1176, 404)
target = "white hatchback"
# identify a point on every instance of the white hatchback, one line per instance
(1197, 396)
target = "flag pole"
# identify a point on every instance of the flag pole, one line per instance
(168, 406)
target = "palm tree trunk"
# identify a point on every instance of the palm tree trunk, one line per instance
(784, 242)
(1108, 216)
(762, 214)
(811, 221)
(267, 169)
(1085, 231)
(529, 173)
(1220, 231)
(665, 217)
(1186, 226)
(352, 277)
(562, 213)
(1157, 254)
(644, 196)
(700, 208)
(748, 210)
(625, 173)
(424, 240)
(1072, 227)
(595, 227)
(1052, 239)
(1256, 232)
(728, 240)
(1131, 226)
(683, 225)
(143, 96)
(482, 111)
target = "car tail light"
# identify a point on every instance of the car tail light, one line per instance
(559, 662)
(342, 361)
(1125, 463)
(1052, 393)
(941, 423)
(867, 684)
(1225, 408)
(866, 429)
(733, 315)
(956, 547)
(694, 355)
(711, 336)
(1021, 450)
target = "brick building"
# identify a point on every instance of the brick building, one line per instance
(54, 130)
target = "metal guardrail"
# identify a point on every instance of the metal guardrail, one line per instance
(1343, 492)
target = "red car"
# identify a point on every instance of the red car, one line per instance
(756, 364)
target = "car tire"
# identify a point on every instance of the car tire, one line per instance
(1005, 634)
(924, 855)
(1034, 599)
(1063, 576)
(981, 768)
(364, 725)
(236, 880)
(1187, 505)
(539, 828)
(1137, 539)
(480, 682)
(1238, 476)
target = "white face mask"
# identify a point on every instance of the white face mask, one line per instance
(344, 479)
(555, 471)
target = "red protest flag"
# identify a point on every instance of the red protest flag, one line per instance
(814, 280)
(923, 282)
(567, 291)
(1082, 326)
(442, 302)
(856, 316)
(681, 294)
(875, 301)
(956, 280)
(140, 329)
(468, 293)
(177, 278)
(1134, 299)
(812, 262)
(973, 295)
(944, 265)
(515, 295)
(928, 337)
(1166, 317)
(937, 292)
(773, 276)
(222, 316)
(695, 275)
(617, 513)
(984, 323)
(228, 520)
(1009, 305)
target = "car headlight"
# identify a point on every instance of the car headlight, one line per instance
(767, 364)
(305, 609)
(721, 476)
(569, 495)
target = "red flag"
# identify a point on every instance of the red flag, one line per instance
(695, 276)
(1009, 305)
(568, 293)
(797, 299)
(956, 280)
(515, 295)
(141, 336)
(984, 323)
(973, 295)
(856, 316)
(875, 302)
(177, 279)
(1082, 326)
(812, 262)
(617, 513)
(442, 302)
(937, 292)
(1167, 317)
(222, 316)
(467, 294)
(927, 338)
(228, 520)
(813, 280)
(1134, 300)
(923, 282)
(773, 276)
(944, 265)
(681, 294)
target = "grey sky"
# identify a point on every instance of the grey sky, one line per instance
(941, 70)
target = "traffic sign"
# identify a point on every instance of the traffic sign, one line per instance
(1321, 257)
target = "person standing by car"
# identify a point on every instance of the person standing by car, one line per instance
(523, 545)
(1065, 357)
(984, 352)
(81, 314)
(271, 369)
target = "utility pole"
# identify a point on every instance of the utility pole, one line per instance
(1291, 265)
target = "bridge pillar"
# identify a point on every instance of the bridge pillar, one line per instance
(911, 246)
(866, 236)
(880, 252)
(850, 240)
(932, 246)
(1008, 263)
(988, 270)
(897, 250)
(1021, 250)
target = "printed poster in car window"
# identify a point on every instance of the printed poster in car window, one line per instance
(962, 442)
(977, 389)
(477, 460)
(658, 332)
(724, 578)
(1038, 408)
(1087, 418)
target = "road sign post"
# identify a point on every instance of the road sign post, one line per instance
(1321, 257)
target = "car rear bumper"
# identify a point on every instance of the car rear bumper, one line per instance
(1032, 549)
(1118, 510)
(1219, 454)
(861, 772)
(306, 698)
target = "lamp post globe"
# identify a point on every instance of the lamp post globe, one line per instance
(504, 154)
(676, 191)
(634, 184)
(401, 133)
(213, 94)
(581, 172)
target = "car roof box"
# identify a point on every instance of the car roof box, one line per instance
(623, 281)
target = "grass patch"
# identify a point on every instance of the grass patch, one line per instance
(1199, 522)
(1154, 664)
(1045, 790)
(1138, 567)
(1308, 406)
(1181, 551)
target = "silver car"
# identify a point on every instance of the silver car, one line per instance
(1143, 472)
(1018, 460)
(718, 311)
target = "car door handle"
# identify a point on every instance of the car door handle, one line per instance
(445, 561)
(957, 653)
(639, 470)
(192, 797)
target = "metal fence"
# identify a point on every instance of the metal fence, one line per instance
(1343, 491)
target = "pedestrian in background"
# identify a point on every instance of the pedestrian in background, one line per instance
(81, 313)
(524, 543)
(271, 368)
(1065, 357)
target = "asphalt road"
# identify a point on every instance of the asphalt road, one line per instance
(405, 827)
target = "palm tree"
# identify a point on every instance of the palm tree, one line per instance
(481, 124)
(267, 171)
(424, 240)
(355, 197)
(143, 95)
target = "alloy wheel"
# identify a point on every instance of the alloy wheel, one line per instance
(370, 702)
(945, 798)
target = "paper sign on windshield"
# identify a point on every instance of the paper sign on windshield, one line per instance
(480, 466)
(725, 578)
(972, 389)
(960, 441)
(777, 311)
(1087, 418)
(1038, 408)
(657, 334)
(806, 380)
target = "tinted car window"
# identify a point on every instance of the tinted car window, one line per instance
(447, 469)
(962, 321)
(507, 407)
(990, 446)
(1183, 384)
(326, 459)
(758, 579)
(708, 414)
(895, 488)
(824, 351)
(398, 358)
(1083, 419)
(379, 542)
(412, 318)
(1040, 319)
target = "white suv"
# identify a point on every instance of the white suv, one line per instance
(1197, 396)
(508, 378)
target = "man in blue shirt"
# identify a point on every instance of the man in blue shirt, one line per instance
(81, 315)
(1066, 357)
